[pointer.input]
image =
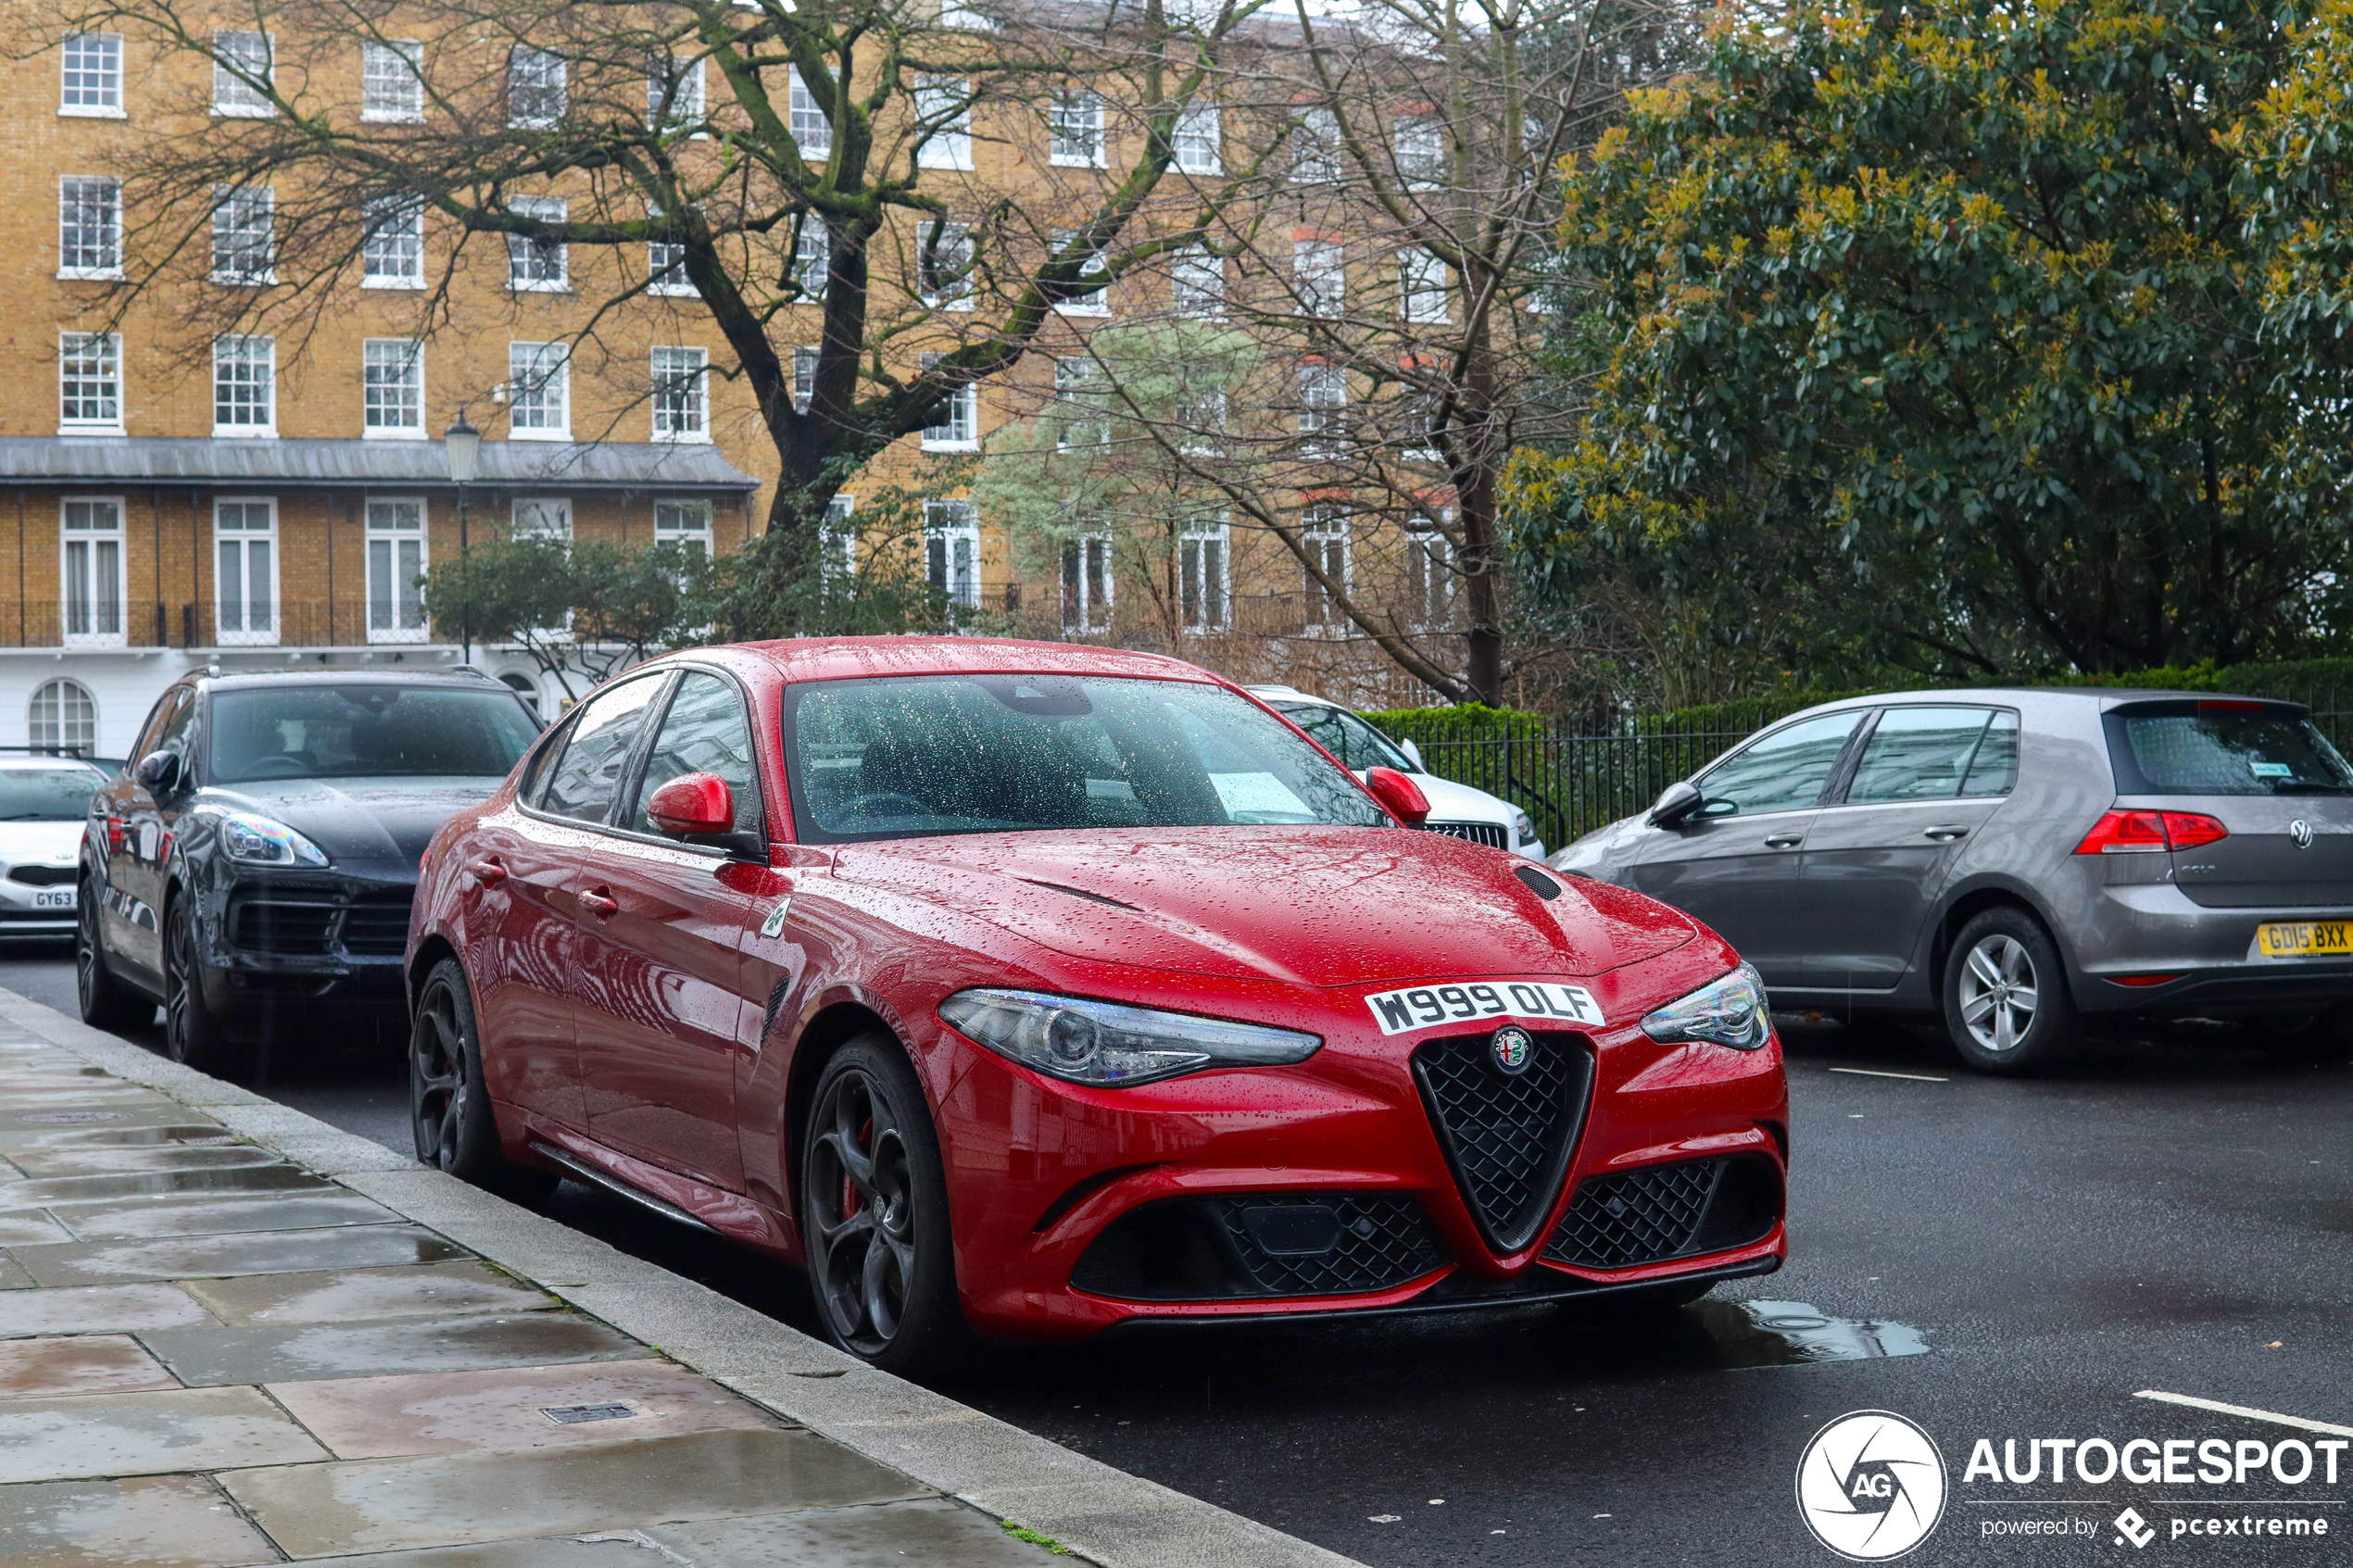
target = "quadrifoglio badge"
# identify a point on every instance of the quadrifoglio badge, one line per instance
(1871, 1486)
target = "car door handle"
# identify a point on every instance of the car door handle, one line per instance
(1785, 840)
(1945, 835)
(599, 901)
(488, 871)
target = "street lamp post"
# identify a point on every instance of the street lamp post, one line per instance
(462, 443)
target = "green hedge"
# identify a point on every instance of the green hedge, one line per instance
(2315, 680)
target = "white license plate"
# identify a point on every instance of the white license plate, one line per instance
(62, 899)
(1425, 1007)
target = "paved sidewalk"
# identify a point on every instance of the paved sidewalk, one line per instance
(230, 1334)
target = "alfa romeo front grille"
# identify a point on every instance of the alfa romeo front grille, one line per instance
(1494, 834)
(1508, 1137)
(1663, 1211)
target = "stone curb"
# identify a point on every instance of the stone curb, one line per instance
(1118, 1519)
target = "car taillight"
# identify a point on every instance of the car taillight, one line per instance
(2150, 833)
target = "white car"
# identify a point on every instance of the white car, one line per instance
(1454, 809)
(44, 801)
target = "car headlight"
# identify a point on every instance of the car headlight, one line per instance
(1523, 827)
(1730, 1012)
(1109, 1047)
(258, 841)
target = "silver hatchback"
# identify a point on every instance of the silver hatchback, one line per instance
(2021, 862)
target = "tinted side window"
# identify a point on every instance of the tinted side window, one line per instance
(1917, 753)
(172, 734)
(153, 727)
(584, 778)
(1995, 770)
(1346, 736)
(705, 731)
(1781, 772)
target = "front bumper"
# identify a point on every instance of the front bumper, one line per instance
(35, 911)
(1326, 1188)
(278, 943)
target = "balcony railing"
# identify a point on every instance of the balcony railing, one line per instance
(295, 624)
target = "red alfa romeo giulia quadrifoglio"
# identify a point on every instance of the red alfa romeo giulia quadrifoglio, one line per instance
(1036, 988)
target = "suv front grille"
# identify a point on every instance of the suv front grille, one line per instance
(1494, 834)
(42, 876)
(281, 925)
(1260, 1245)
(1663, 1211)
(1508, 1137)
(378, 924)
(373, 926)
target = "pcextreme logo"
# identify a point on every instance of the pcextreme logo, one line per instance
(1870, 1486)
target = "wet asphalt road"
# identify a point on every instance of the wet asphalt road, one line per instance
(2170, 1214)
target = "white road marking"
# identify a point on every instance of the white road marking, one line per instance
(1874, 1072)
(2300, 1423)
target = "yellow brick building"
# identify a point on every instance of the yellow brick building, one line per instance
(183, 488)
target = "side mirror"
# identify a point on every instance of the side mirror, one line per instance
(692, 804)
(1414, 755)
(158, 771)
(1400, 794)
(1676, 802)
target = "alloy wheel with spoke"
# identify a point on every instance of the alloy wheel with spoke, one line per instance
(1999, 995)
(437, 1085)
(862, 1202)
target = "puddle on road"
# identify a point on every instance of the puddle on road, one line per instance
(1762, 1333)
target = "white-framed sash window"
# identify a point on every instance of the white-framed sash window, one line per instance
(244, 571)
(1087, 583)
(391, 91)
(393, 389)
(952, 550)
(944, 103)
(539, 392)
(244, 385)
(392, 254)
(682, 393)
(959, 427)
(1324, 530)
(396, 560)
(1204, 578)
(685, 523)
(89, 383)
(92, 85)
(90, 560)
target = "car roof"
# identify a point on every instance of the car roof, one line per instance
(262, 679)
(42, 759)
(1288, 694)
(838, 659)
(2102, 696)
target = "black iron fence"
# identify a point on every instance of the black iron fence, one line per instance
(1573, 783)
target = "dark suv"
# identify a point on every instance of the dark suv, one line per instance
(2017, 861)
(253, 863)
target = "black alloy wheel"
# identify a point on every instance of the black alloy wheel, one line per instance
(874, 1212)
(449, 1114)
(191, 1034)
(105, 1002)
